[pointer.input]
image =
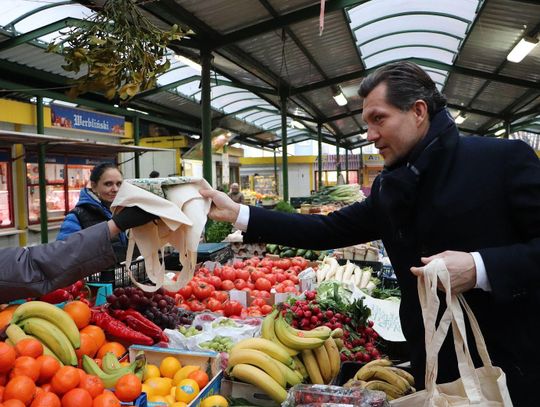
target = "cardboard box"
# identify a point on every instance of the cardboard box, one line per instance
(230, 388)
(207, 361)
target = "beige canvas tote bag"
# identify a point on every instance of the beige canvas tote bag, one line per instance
(484, 386)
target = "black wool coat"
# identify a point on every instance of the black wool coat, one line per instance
(479, 195)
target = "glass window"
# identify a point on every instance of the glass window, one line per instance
(78, 178)
(6, 208)
(55, 191)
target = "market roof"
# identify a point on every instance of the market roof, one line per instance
(73, 146)
(263, 47)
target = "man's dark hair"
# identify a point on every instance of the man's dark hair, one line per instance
(99, 169)
(406, 83)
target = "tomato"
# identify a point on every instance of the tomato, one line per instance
(240, 284)
(254, 312)
(279, 287)
(238, 265)
(243, 274)
(227, 285)
(184, 305)
(215, 281)
(232, 308)
(288, 283)
(289, 289)
(266, 309)
(271, 278)
(186, 291)
(266, 263)
(213, 304)
(254, 261)
(284, 264)
(293, 278)
(254, 293)
(228, 273)
(295, 269)
(265, 270)
(203, 290)
(280, 277)
(264, 294)
(258, 302)
(221, 296)
(250, 285)
(196, 305)
(217, 272)
(256, 275)
(263, 284)
(300, 262)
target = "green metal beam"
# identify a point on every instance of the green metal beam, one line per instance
(284, 158)
(450, 51)
(169, 86)
(136, 139)
(37, 10)
(392, 33)
(206, 113)
(41, 171)
(41, 31)
(285, 20)
(319, 154)
(412, 13)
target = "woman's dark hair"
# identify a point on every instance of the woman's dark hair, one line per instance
(406, 83)
(99, 169)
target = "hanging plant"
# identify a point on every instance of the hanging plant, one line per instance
(122, 51)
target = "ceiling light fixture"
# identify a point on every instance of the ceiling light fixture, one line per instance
(297, 125)
(499, 132)
(522, 49)
(461, 118)
(340, 98)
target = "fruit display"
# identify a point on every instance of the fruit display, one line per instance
(188, 332)
(381, 375)
(111, 370)
(218, 343)
(304, 395)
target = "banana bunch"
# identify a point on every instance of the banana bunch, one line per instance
(266, 365)
(50, 325)
(381, 375)
(111, 370)
(322, 363)
(276, 329)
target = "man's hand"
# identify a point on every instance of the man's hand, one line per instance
(223, 208)
(460, 266)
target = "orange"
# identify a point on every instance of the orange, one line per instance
(5, 317)
(3, 379)
(29, 347)
(77, 398)
(7, 357)
(13, 403)
(65, 379)
(186, 390)
(106, 399)
(88, 346)
(21, 388)
(92, 384)
(26, 366)
(117, 348)
(200, 377)
(95, 332)
(46, 399)
(184, 373)
(79, 312)
(169, 366)
(128, 387)
(48, 366)
(46, 387)
(2, 388)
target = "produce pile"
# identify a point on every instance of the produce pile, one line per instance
(347, 194)
(361, 278)
(286, 251)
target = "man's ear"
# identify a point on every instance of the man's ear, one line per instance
(420, 110)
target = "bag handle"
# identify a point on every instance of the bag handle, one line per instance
(427, 290)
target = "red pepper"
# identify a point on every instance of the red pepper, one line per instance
(117, 328)
(147, 326)
(56, 296)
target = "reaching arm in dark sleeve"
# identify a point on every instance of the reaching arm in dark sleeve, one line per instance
(36, 270)
(353, 224)
(513, 270)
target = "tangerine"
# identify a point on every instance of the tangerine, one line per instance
(5, 317)
(29, 347)
(46, 387)
(7, 357)
(48, 366)
(79, 312)
(88, 346)
(65, 379)
(128, 387)
(169, 366)
(106, 399)
(92, 384)
(200, 377)
(115, 347)
(77, 398)
(21, 388)
(95, 332)
(13, 403)
(25, 366)
(46, 399)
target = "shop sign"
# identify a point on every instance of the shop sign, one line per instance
(385, 315)
(373, 160)
(85, 120)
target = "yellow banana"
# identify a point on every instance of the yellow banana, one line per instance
(52, 337)
(321, 356)
(292, 377)
(321, 332)
(400, 372)
(260, 360)
(270, 348)
(268, 332)
(110, 363)
(337, 333)
(294, 338)
(376, 362)
(339, 343)
(385, 374)
(391, 391)
(255, 376)
(333, 356)
(312, 367)
(300, 368)
(51, 313)
(8, 341)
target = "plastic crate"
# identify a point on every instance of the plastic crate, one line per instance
(118, 276)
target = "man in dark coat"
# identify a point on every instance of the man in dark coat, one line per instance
(475, 202)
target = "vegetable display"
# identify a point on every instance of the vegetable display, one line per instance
(286, 251)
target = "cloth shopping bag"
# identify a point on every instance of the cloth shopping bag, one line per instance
(484, 386)
(182, 215)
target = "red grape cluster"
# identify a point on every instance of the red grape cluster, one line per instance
(157, 306)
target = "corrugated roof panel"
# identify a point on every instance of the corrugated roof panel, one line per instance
(497, 96)
(461, 89)
(284, 7)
